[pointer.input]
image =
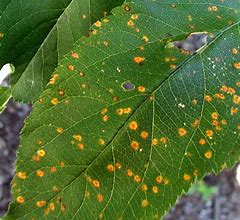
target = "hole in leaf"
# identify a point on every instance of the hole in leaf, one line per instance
(128, 86)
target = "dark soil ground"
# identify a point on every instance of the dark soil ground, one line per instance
(224, 205)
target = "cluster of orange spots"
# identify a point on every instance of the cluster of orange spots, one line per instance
(209, 133)
(71, 67)
(138, 59)
(50, 208)
(98, 24)
(145, 39)
(196, 123)
(141, 89)
(135, 145)
(144, 134)
(41, 203)
(186, 177)
(144, 203)
(182, 132)
(208, 98)
(154, 141)
(100, 198)
(130, 23)
(228, 90)
(122, 111)
(208, 154)
(55, 101)
(53, 169)
(144, 188)
(61, 92)
(170, 59)
(236, 99)
(22, 175)
(41, 153)
(75, 55)
(237, 65)
(155, 189)
(202, 141)
(20, 199)
(235, 51)
(60, 130)
(133, 125)
(40, 173)
(219, 96)
(234, 111)
(110, 168)
(212, 8)
(53, 79)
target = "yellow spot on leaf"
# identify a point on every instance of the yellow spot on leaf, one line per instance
(159, 179)
(96, 183)
(40, 173)
(209, 133)
(155, 189)
(77, 137)
(237, 65)
(55, 101)
(202, 141)
(137, 178)
(208, 154)
(144, 187)
(129, 173)
(186, 177)
(75, 55)
(60, 130)
(141, 89)
(20, 199)
(41, 203)
(138, 60)
(110, 168)
(133, 125)
(100, 198)
(144, 203)
(182, 132)
(154, 141)
(144, 135)
(135, 145)
(22, 175)
(41, 153)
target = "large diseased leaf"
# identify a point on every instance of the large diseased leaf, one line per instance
(36, 34)
(128, 122)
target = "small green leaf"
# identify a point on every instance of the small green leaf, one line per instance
(35, 35)
(121, 132)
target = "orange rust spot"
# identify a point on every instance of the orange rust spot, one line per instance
(52, 206)
(196, 123)
(234, 110)
(41, 203)
(219, 96)
(236, 99)
(20, 199)
(215, 122)
(144, 134)
(135, 145)
(101, 141)
(223, 122)
(235, 51)
(144, 203)
(53, 169)
(214, 115)
(105, 118)
(129, 173)
(202, 141)
(141, 89)
(120, 111)
(36, 158)
(134, 17)
(40, 173)
(71, 67)
(118, 165)
(208, 98)
(22, 175)
(182, 132)
(155, 189)
(100, 198)
(53, 79)
(96, 183)
(186, 177)
(144, 188)
(41, 153)
(130, 23)
(77, 137)
(237, 65)
(62, 164)
(110, 168)
(80, 146)
(60, 130)
(75, 55)
(231, 91)
(137, 178)
(154, 141)
(145, 39)
(138, 60)
(163, 140)
(55, 101)
(173, 66)
(127, 110)
(104, 111)
(208, 154)
(224, 88)
(105, 43)
(159, 179)
(61, 92)
(209, 133)
(98, 24)
(238, 84)
(133, 125)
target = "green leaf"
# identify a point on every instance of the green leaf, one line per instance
(35, 35)
(5, 95)
(121, 132)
